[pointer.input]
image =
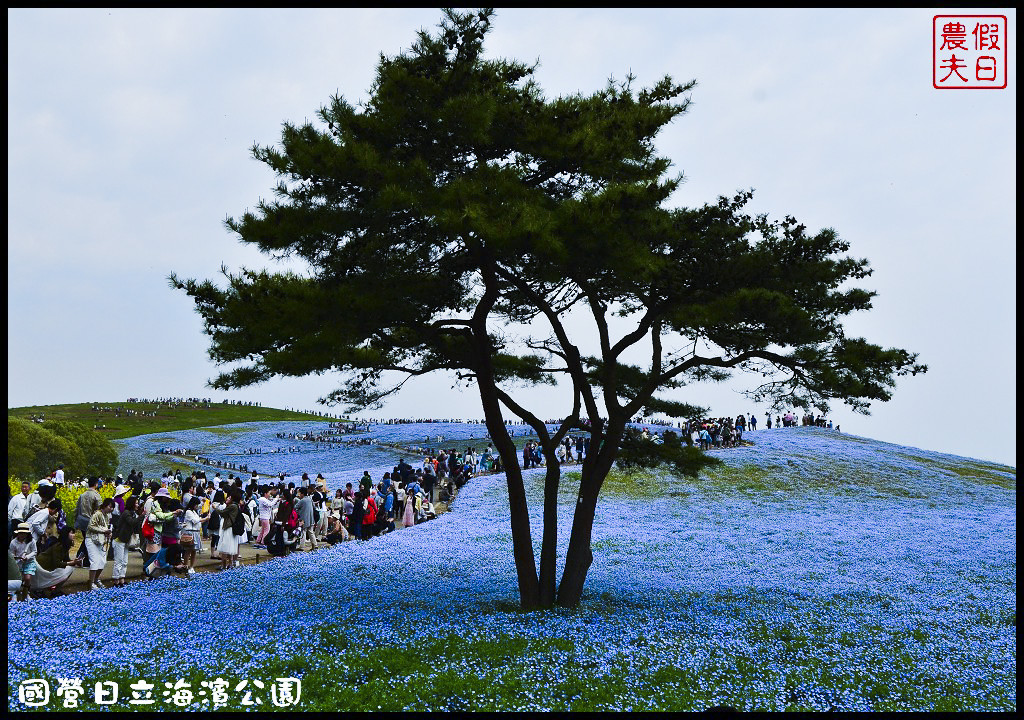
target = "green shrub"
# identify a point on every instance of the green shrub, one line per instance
(35, 450)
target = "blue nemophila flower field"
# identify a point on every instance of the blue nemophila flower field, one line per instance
(814, 570)
(234, 443)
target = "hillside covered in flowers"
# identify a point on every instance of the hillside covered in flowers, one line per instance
(813, 570)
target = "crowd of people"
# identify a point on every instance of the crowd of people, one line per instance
(572, 449)
(40, 539)
(712, 433)
(332, 434)
(191, 455)
(790, 420)
(178, 401)
(271, 451)
(205, 515)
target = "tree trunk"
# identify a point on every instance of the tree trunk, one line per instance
(519, 512)
(522, 540)
(579, 556)
(549, 542)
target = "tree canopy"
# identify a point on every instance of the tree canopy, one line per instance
(35, 450)
(454, 220)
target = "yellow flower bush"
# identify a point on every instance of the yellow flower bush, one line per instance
(69, 494)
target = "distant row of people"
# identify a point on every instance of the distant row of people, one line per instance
(175, 401)
(807, 420)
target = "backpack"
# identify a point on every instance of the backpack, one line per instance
(238, 526)
(293, 521)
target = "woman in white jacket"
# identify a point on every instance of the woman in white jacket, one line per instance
(96, 538)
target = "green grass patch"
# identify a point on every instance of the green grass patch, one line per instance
(978, 470)
(167, 418)
(632, 483)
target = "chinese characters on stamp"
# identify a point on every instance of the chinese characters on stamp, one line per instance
(969, 52)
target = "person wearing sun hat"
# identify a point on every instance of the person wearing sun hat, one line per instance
(119, 493)
(161, 513)
(23, 548)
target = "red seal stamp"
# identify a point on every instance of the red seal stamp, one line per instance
(969, 52)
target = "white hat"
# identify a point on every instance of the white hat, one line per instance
(121, 489)
(45, 482)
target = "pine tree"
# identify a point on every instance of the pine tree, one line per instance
(458, 207)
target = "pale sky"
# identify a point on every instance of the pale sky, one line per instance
(128, 145)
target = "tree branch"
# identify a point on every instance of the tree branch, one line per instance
(571, 352)
(524, 414)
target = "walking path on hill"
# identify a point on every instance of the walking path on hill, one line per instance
(247, 555)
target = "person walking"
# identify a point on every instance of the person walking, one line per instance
(320, 512)
(228, 542)
(337, 509)
(356, 516)
(409, 513)
(275, 541)
(128, 525)
(369, 514)
(214, 524)
(304, 507)
(88, 504)
(119, 502)
(268, 503)
(192, 534)
(98, 533)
